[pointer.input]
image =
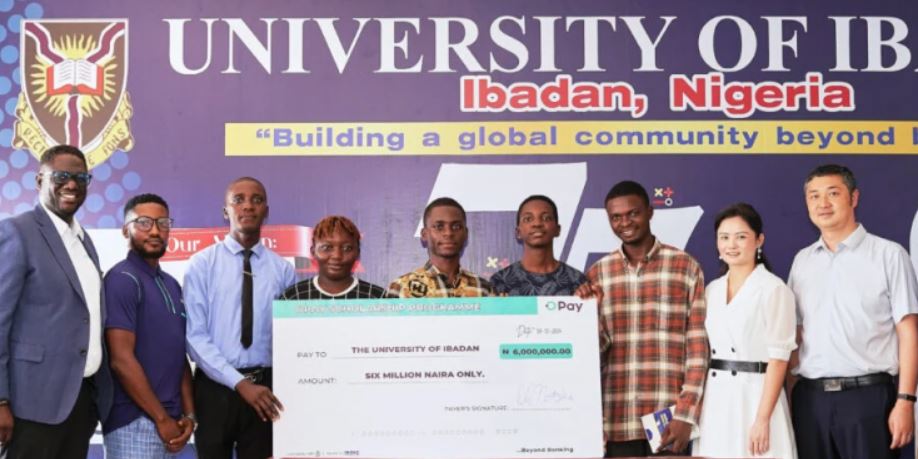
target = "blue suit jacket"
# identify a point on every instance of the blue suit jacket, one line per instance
(44, 322)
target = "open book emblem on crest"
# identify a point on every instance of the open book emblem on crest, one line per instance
(73, 87)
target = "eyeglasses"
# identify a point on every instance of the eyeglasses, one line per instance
(146, 223)
(62, 177)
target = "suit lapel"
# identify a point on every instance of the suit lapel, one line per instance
(58, 251)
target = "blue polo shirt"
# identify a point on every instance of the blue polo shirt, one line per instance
(148, 302)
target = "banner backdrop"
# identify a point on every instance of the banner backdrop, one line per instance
(371, 109)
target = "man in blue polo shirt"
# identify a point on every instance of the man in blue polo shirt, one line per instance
(153, 412)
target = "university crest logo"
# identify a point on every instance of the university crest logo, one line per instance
(74, 73)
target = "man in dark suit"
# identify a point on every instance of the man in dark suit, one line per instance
(55, 383)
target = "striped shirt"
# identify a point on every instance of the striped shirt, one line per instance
(428, 282)
(653, 346)
(309, 290)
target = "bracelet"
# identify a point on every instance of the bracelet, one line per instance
(909, 397)
(194, 421)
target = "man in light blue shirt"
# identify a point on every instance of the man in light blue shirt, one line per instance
(228, 290)
(857, 302)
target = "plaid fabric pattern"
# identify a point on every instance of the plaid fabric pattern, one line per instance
(653, 344)
(428, 282)
(137, 440)
(309, 290)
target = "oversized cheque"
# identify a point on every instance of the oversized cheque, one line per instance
(458, 377)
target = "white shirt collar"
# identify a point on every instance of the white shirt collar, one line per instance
(315, 283)
(236, 248)
(851, 242)
(63, 229)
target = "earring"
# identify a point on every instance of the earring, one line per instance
(758, 254)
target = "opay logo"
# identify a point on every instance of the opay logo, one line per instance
(552, 305)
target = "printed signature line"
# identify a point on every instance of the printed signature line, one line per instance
(540, 409)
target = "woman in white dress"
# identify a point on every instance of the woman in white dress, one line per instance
(751, 325)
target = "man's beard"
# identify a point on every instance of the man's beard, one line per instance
(146, 254)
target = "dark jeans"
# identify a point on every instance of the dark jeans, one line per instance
(227, 422)
(67, 440)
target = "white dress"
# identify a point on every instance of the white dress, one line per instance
(757, 325)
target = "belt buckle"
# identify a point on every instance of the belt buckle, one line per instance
(832, 385)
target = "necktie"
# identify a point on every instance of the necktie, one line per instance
(246, 299)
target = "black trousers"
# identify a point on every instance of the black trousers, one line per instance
(848, 424)
(226, 422)
(636, 448)
(69, 439)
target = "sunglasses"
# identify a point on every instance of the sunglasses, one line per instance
(146, 223)
(62, 177)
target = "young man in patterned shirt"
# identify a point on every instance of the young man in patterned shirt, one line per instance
(444, 234)
(538, 272)
(335, 248)
(652, 304)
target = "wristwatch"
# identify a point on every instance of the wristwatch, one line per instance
(909, 397)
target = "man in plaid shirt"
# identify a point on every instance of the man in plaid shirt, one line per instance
(654, 350)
